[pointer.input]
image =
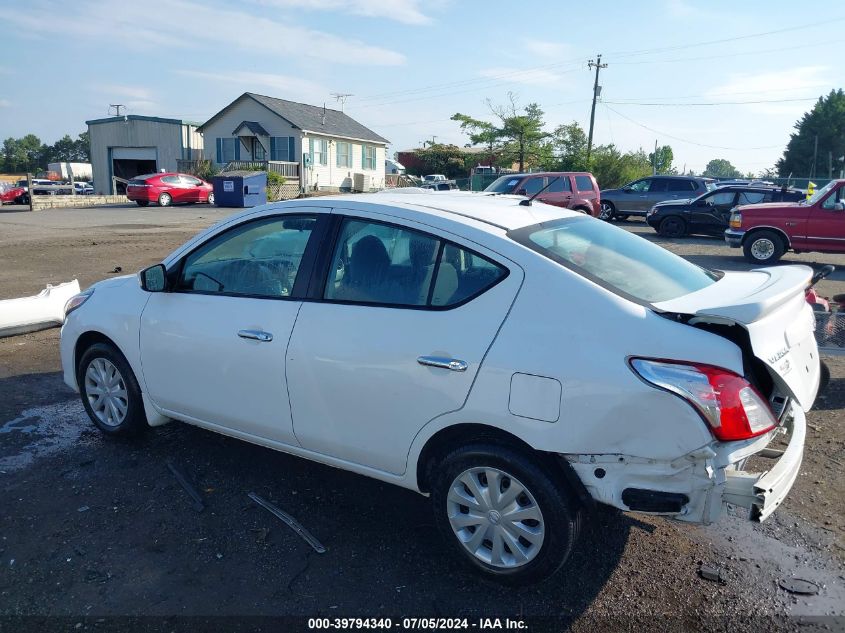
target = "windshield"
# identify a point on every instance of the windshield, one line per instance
(821, 193)
(614, 257)
(504, 184)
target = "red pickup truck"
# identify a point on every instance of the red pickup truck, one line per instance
(766, 231)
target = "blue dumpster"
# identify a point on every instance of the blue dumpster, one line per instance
(240, 189)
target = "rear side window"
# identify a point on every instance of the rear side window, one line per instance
(559, 184)
(584, 183)
(389, 265)
(171, 180)
(754, 197)
(681, 185)
(615, 258)
(658, 185)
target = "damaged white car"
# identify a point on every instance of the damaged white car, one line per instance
(516, 362)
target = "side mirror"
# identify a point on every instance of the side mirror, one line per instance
(154, 278)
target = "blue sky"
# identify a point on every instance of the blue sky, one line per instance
(411, 64)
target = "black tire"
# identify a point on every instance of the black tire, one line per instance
(165, 200)
(763, 247)
(561, 512)
(142, 203)
(606, 211)
(134, 420)
(824, 377)
(672, 226)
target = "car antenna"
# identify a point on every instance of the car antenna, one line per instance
(527, 203)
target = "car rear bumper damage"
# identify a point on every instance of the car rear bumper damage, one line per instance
(734, 237)
(695, 487)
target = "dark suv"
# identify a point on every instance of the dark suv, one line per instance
(710, 213)
(637, 197)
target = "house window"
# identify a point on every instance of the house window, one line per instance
(344, 154)
(281, 148)
(368, 157)
(227, 150)
(258, 152)
(319, 151)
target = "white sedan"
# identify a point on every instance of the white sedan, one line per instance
(516, 362)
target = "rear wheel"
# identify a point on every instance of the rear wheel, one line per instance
(606, 211)
(763, 247)
(621, 217)
(142, 203)
(110, 393)
(165, 199)
(211, 198)
(672, 226)
(503, 514)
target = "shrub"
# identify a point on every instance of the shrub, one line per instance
(274, 179)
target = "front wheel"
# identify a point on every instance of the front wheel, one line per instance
(110, 393)
(763, 247)
(164, 200)
(672, 226)
(504, 514)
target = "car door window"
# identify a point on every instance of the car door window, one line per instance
(640, 186)
(832, 199)
(721, 198)
(171, 180)
(256, 259)
(658, 185)
(559, 185)
(754, 197)
(680, 185)
(462, 275)
(190, 181)
(532, 185)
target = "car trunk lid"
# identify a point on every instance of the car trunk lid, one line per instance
(769, 304)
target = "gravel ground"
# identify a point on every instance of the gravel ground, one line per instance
(94, 531)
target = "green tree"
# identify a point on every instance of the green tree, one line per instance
(661, 159)
(82, 148)
(440, 158)
(518, 135)
(567, 149)
(612, 168)
(721, 168)
(825, 122)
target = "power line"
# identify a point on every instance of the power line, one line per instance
(685, 140)
(676, 60)
(711, 103)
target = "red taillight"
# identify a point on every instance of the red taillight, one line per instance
(731, 406)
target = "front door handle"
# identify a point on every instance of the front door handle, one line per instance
(452, 364)
(256, 335)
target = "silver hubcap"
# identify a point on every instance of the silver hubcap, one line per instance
(606, 212)
(762, 248)
(495, 517)
(106, 392)
(164, 200)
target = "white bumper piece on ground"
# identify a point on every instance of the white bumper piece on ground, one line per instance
(704, 479)
(44, 310)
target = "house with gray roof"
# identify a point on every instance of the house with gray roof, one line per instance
(325, 148)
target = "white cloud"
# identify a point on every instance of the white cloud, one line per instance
(516, 75)
(548, 50)
(405, 11)
(190, 25)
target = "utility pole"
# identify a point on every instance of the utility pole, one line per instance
(596, 92)
(830, 165)
(654, 160)
(341, 98)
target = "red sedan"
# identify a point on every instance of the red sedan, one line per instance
(169, 188)
(9, 194)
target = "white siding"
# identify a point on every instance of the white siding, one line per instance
(331, 177)
(248, 109)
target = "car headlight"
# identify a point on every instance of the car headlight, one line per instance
(77, 300)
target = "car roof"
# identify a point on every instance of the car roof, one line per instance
(547, 173)
(501, 212)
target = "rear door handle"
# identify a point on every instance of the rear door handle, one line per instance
(442, 362)
(256, 335)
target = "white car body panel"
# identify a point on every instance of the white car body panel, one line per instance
(360, 401)
(44, 310)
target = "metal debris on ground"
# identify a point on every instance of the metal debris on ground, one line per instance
(117, 269)
(799, 585)
(199, 506)
(711, 572)
(290, 522)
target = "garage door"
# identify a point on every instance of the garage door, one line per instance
(133, 153)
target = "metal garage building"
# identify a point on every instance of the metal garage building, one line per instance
(127, 146)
